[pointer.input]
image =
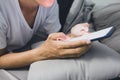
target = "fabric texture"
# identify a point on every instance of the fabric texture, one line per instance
(102, 3)
(79, 12)
(2, 33)
(106, 17)
(17, 35)
(16, 74)
(15, 31)
(4, 75)
(99, 63)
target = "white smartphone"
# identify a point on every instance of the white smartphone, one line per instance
(97, 35)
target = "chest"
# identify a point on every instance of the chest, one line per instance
(30, 17)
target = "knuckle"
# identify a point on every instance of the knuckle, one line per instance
(80, 50)
(58, 47)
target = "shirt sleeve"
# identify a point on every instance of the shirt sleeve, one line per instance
(52, 23)
(3, 43)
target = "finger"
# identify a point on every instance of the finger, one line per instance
(75, 44)
(77, 52)
(57, 36)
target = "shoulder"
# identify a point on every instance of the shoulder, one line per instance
(7, 3)
(53, 8)
(45, 12)
(3, 2)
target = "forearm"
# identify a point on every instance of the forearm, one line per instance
(51, 49)
(15, 60)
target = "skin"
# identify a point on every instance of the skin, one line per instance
(50, 49)
(80, 29)
(45, 3)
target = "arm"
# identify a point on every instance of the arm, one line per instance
(50, 49)
(14, 60)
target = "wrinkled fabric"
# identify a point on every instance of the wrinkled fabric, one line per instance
(106, 17)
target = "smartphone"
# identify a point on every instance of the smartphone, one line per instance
(97, 35)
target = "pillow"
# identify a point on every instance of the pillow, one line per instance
(102, 3)
(106, 17)
(99, 63)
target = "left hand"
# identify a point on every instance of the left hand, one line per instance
(80, 29)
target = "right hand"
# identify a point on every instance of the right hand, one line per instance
(53, 48)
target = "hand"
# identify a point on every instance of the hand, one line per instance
(80, 29)
(54, 48)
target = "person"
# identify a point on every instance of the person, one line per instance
(21, 20)
(16, 37)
